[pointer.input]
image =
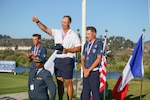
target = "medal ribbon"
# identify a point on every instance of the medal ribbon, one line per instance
(35, 51)
(89, 47)
(63, 35)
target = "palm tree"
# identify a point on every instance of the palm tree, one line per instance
(106, 31)
(78, 31)
(144, 30)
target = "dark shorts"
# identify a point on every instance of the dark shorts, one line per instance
(64, 67)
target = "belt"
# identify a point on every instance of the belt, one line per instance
(95, 69)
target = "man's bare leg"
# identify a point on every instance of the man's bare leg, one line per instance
(69, 85)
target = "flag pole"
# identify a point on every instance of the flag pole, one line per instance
(141, 88)
(83, 38)
(104, 97)
(144, 30)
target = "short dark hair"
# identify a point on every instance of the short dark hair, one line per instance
(93, 29)
(37, 35)
(70, 20)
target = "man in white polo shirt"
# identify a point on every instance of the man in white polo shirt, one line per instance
(64, 62)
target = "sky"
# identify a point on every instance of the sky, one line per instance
(125, 18)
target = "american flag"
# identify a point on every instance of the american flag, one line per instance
(102, 69)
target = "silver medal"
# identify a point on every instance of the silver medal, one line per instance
(87, 58)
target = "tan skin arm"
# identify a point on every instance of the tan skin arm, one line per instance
(72, 50)
(82, 63)
(87, 71)
(96, 62)
(49, 32)
(30, 56)
(42, 26)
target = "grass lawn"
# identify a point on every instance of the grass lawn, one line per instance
(133, 91)
(10, 83)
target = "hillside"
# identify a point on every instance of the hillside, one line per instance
(120, 48)
(147, 45)
(122, 43)
(114, 43)
(24, 42)
(14, 42)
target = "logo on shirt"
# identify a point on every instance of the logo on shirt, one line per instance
(93, 50)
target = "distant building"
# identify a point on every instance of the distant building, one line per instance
(15, 48)
(24, 47)
(7, 48)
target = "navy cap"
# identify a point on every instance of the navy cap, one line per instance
(58, 47)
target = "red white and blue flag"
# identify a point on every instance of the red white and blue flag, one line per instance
(133, 69)
(102, 69)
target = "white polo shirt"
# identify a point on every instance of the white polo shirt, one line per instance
(71, 40)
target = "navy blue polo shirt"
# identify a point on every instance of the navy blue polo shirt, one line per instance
(96, 49)
(41, 51)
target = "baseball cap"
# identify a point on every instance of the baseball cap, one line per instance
(39, 59)
(58, 47)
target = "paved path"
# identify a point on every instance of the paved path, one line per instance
(14, 96)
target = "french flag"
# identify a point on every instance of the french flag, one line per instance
(133, 69)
